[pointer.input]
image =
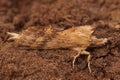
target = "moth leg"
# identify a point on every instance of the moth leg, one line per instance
(88, 59)
(74, 59)
(76, 56)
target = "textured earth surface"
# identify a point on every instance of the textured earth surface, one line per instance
(22, 64)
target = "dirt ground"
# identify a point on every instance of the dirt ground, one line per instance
(22, 64)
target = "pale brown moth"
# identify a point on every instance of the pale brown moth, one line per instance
(75, 38)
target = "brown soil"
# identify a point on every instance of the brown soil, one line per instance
(22, 64)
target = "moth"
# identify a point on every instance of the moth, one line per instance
(75, 38)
